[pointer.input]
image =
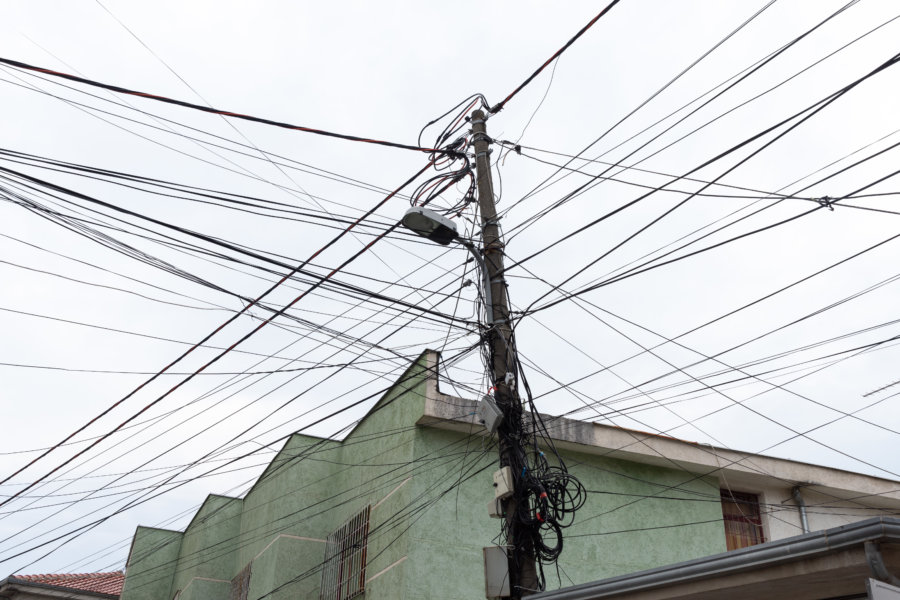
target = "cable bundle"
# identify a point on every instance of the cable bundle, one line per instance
(547, 506)
(446, 159)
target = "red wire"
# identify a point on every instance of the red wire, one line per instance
(216, 111)
(198, 344)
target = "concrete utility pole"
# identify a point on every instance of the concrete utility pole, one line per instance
(522, 572)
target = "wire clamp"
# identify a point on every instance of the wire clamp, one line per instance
(494, 246)
(826, 202)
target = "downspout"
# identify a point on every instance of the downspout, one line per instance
(801, 507)
(876, 564)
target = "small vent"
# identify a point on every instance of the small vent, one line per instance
(344, 570)
(240, 585)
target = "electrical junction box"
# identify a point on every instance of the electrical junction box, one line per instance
(496, 572)
(495, 508)
(503, 483)
(489, 414)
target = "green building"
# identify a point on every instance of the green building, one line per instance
(399, 508)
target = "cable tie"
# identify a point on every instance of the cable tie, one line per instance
(523, 471)
(826, 201)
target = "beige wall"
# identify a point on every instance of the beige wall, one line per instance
(781, 516)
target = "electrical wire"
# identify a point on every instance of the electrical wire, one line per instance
(499, 106)
(93, 444)
(207, 109)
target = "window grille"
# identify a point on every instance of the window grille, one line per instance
(240, 585)
(344, 570)
(743, 524)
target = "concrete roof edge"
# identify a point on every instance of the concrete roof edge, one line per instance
(449, 412)
(284, 446)
(432, 375)
(755, 557)
(159, 529)
(203, 505)
(432, 360)
(134, 537)
(238, 498)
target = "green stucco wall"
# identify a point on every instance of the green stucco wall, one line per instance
(449, 538)
(151, 564)
(426, 533)
(207, 556)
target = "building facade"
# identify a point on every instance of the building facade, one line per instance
(399, 508)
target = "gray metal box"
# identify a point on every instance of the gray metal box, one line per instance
(496, 572)
(503, 483)
(489, 414)
(495, 508)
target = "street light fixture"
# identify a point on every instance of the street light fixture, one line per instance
(438, 228)
(430, 224)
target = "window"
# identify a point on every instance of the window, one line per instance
(743, 525)
(344, 569)
(240, 585)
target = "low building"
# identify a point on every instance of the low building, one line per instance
(850, 562)
(399, 508)
(72, 586)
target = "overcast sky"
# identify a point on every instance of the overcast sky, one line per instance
(93, 305)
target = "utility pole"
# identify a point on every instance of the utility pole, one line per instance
(522, 572)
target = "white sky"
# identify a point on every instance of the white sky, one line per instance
(384, 70)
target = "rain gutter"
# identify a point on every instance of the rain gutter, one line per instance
(807, 546)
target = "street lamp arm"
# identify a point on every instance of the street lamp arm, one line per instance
(488, 300)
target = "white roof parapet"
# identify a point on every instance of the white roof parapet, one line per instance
(444, 411)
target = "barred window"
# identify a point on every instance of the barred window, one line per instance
(344, 570)
(743, 524)
(240, 585)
